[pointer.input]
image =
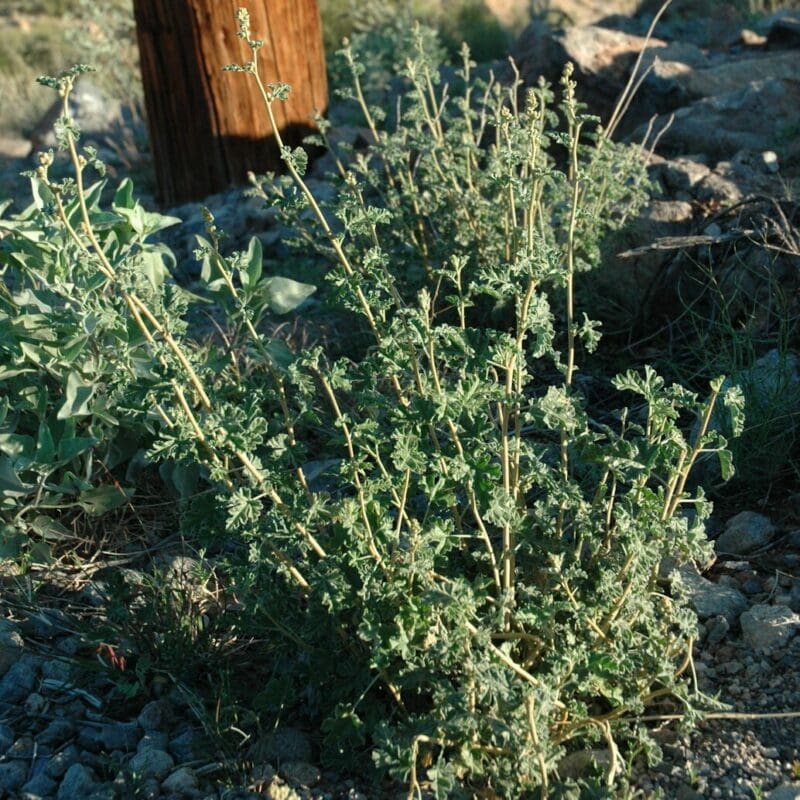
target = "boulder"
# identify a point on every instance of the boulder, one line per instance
(784, 30)
(745, 532)
(91, 109)
(756, 118)
(767, 627)
(710, 599)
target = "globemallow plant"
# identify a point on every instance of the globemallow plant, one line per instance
(455, 553)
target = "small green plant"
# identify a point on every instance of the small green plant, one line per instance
(455, 554)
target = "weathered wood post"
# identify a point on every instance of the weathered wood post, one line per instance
(209, 127)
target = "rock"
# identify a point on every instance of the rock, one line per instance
(56, 733)
(154, 740)
(188, 745)
(46, 624)
(282, 745)
(299, 773)
(35, 704)
(767, 627)
(62, 761)
(631, 277)
(149, 789)
(722, 125)
(90, 737)
(709, 599)
(40, 786)
(12, 148)
(90, 108)
(745, 532)
(784, 32)
(11, 647)
(717, 628)
(19, 680)
(602, 57)
(152, 716)
(770, 161)
(151, 764)
(576, 765)
(684, 173)
(786, 791)
(6, 738)
(12, 775)
(122, 736)
(78, 784)
(183, 782)
(732, 75)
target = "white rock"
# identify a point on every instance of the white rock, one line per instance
(770, 161)
(709, 599)
(768, 627)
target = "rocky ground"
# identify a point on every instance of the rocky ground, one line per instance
(720, 109)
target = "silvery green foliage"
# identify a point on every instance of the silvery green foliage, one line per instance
(455, 559)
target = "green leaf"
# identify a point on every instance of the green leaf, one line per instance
(725, 464)
(254, 263)
(12, 543)
(123, 197)
(48, 528)
(71, 448)
(285, 295)
(77, 397)
(40, 553)
(45, 445)
(10, 484)
(101, 499)
(153, 268)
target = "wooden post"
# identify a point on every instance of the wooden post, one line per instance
(209, 127)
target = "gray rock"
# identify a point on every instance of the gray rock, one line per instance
(46, 624)
(122, 736)
(784, 32)
(576, 765)
(11, 647)
(19, 681)
(90, 108)
(722, 125)
(62, 761)
(40, 786)
(745, 532)
(300, 773)
(767, 627)
(149, 789)
(12, 775)
(35, 704)
(152, 716)
(787, 791)
(79, 782)
(6, 738)
(717, 628)
(282, 745)
(90, 737)
(188, 745)
(153, 740)
(56, 733)
(57, 670)
(69, 645)
(183, 782)
(151, 764)
(24, 748)
(683, 174)
(709, 599)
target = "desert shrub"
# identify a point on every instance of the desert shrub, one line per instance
(456, 556)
